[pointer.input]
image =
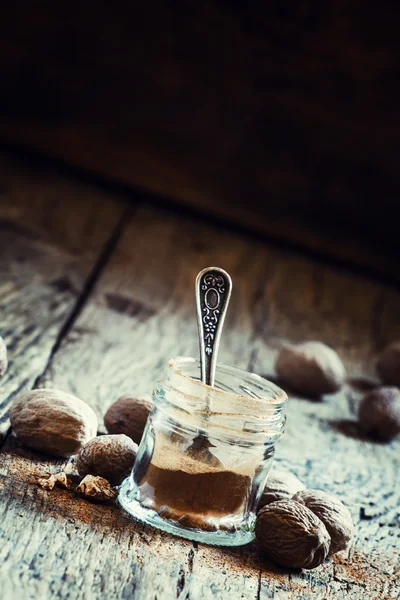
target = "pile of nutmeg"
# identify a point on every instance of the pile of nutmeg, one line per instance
(295, 527)
(313, 369)
(300, 528)
(62, 425)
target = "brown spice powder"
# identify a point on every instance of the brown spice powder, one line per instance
(191, 491)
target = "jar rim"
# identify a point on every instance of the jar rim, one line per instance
(240, 401)
(244, 403)
(274, 394)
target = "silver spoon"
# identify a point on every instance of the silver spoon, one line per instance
(213, 291)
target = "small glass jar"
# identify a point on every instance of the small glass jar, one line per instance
(205, 454)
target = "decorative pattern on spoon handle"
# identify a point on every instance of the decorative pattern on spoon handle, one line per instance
(213, 291)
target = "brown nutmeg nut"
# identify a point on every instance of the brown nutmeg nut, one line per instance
(379, 413)
(128, 415)
(292, 535)
(281, 485)
(108, 456)
(388, 365)
(52, 421)
(3, 357)
(333, 513)
(311, 368)
(96, 489)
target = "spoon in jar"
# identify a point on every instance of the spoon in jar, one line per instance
(213, 292)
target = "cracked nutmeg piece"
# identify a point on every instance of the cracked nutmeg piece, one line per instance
(333, 513)
(128, 415)
(52, 421)
(311, 368)
(58, 479)
(109, 456)
(291, 535)
(96, 489)
(379, 413)
(3, 357)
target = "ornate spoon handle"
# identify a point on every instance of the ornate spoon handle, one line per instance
(213, 291)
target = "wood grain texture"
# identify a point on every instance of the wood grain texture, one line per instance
(52, 232)
(284, 118)
(141, 312)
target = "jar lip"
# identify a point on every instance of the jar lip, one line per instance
(277, 395)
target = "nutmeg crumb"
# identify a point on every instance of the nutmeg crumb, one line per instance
(58, 479)
(96, 489)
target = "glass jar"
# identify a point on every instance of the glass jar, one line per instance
(206, 453)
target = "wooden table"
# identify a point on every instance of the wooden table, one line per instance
(96, 293)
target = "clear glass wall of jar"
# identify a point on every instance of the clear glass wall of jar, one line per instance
(206, 453)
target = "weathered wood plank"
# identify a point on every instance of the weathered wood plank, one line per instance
(52, 232)
(131, 166)
(140, 313)
(308, 138)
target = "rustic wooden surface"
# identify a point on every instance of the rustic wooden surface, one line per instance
(94, 299)
(266, 114)
(52, 235)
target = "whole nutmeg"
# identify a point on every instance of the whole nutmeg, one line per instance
(292, 535)
(311, 368)
(388, 365)
(281, 485)
(333, 513)
(53, 422)
(3, 357)
(379, 413)
(128, 415)
(109, 456)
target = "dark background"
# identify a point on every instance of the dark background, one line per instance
(281, 117)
